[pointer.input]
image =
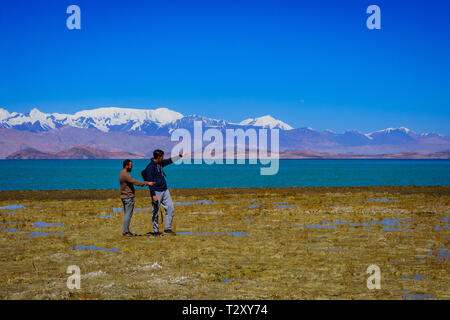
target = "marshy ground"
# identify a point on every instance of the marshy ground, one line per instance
(258, 243)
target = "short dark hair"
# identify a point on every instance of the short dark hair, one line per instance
(158, 153)
(126, 162)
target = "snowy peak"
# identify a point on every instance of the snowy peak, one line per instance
(391, 136)
(266, 122)
(121, 115)
(36, 114)
(4, 114)
(33, 121)
(392, 130)
(104, 118)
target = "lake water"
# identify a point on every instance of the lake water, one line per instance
(103, 174)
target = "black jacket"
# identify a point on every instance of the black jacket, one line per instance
(155, 173)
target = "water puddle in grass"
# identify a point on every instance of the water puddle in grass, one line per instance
(391, 222)
(43, 234)
(437, 228)
(317, 226)
(10, 230)
(93, 248)
(106, 216)
(117, 210)
(445, 219)
(283, 207)
(385, 222)
(332, 249)
(250, 219)
(13, 207)
(39, 224)
(229, 280)
(381, 200)
(352, 224)
(418, 296)
(235, 234)
(394, 229)
(441, 254)
(415, 277)
(189, 203)
(254, 205)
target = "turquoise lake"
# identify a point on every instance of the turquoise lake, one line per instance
(103, 174)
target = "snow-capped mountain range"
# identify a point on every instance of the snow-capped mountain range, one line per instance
(140, 131)
(159, 121)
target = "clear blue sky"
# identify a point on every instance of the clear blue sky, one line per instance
(308, 63)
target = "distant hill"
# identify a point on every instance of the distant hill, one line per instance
(405, 155)
(80, 152)
(83, 152)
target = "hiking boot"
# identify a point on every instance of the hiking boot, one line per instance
(169, 232)
(128, 234)
(155, 234)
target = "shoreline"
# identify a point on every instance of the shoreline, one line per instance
(99, 194)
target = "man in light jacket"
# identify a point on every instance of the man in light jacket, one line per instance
(127, 194)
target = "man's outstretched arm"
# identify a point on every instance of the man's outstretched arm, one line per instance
(166, 162)
(130, 179)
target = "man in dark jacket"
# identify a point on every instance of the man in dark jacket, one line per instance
(159, 192)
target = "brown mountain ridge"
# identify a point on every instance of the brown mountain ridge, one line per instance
(84, 152)
(79, 152)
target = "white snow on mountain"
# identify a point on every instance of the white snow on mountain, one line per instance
(390, 130)
(121, 115)
(123, 119)
(266, 122)
(32, 117)
(101, 118)
(4, 114)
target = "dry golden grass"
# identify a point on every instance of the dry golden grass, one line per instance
(279, 260)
